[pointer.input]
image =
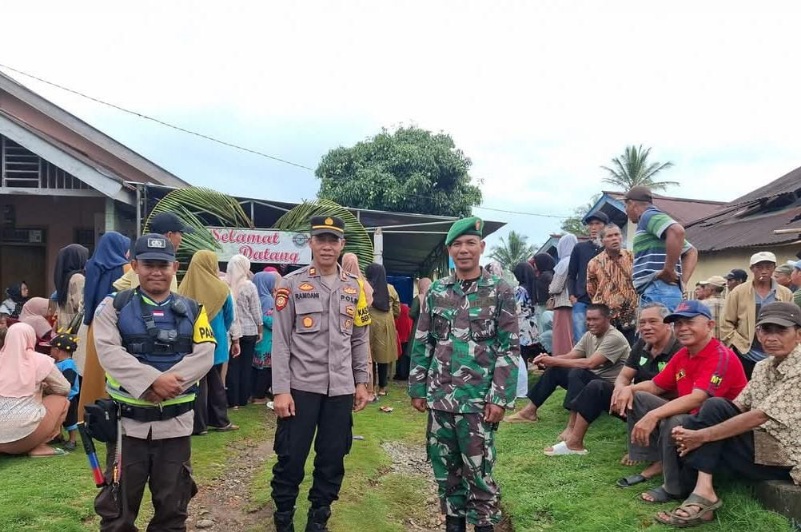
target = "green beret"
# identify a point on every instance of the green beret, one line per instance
(466, 226)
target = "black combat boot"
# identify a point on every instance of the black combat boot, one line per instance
(455, 524)
(283, 521)
(318, 517)
(484, 528)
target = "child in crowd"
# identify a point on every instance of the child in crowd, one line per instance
(62, 346)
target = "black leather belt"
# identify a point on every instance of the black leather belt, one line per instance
(149, 414)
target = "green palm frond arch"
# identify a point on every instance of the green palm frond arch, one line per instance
(199, 207)
(357, 239)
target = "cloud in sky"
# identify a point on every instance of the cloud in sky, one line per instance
(537, 94)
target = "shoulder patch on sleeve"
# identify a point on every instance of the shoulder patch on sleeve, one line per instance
(203, 332)
(281, 298)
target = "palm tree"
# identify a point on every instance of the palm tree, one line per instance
(513, 251)
(357, 240)
(199, 207)
(633, 169)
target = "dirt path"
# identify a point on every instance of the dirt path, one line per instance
(224, 504)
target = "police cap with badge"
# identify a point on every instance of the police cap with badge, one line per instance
(327, 225)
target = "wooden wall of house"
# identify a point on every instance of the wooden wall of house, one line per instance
(61, 218)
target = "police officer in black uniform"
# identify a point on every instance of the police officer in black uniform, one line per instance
(154, 346)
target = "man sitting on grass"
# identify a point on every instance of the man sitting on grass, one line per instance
(649, 355)
(702, 368)
(598, 355)
(757, 436)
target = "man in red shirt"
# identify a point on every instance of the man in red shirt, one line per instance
(702, 368)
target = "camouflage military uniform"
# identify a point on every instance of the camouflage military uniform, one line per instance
(465, 356)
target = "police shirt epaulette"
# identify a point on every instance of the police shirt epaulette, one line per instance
(296, 272)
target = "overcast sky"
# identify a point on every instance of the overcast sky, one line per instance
(538, 94)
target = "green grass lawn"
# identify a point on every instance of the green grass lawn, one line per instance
(539, 493)
(577, 493)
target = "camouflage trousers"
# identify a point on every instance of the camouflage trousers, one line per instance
(461, 448)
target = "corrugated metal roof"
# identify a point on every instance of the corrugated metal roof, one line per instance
(727, 230)
(683, 210)
(788, 183)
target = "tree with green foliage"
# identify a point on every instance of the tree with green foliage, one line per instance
(409, 170)
(512, 251)
(632, 169)
(574, 224)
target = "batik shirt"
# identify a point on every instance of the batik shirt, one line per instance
(775, 389)
(609, 282)
(466, 349)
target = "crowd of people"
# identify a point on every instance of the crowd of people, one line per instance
(703, 383)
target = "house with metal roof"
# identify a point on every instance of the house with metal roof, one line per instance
(766, 219)
(61, 181)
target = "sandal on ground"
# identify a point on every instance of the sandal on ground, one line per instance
(633, 480)
(659, 496)
(514, 418)
(228, 428)
(69, 446)
(561, 449)
(56, 452)
(699, 510)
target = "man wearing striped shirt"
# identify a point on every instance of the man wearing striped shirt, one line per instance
(663, 259)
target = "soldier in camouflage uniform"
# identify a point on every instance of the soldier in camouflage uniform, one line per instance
(464, 372)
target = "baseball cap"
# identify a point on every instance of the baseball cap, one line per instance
(715, 280)
(688, 309)
(785, 268)
(167, 222)
(762, 256)
(797, 265)
(153, 246)
(739, 274)
(780, 313)
(639, 193)
(327, 225)
(597, 215)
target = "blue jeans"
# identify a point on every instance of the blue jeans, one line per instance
(579, 320)
(661, 292)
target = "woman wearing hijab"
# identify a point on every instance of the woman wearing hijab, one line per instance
(33, 396)
(262, 359)
(526, 317)
(108, 263)
(403, 326)
(37, 312)
(239, 379)
(69, 281)
(350, 263)
(383, 310)
(562, 307)
(202, 284)
(16, 296)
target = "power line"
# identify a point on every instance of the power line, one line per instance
(523, 212)
(157, 121)
(223, 142)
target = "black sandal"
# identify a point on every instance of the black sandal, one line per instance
(633, 480)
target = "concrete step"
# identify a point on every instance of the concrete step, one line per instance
(782, 497)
